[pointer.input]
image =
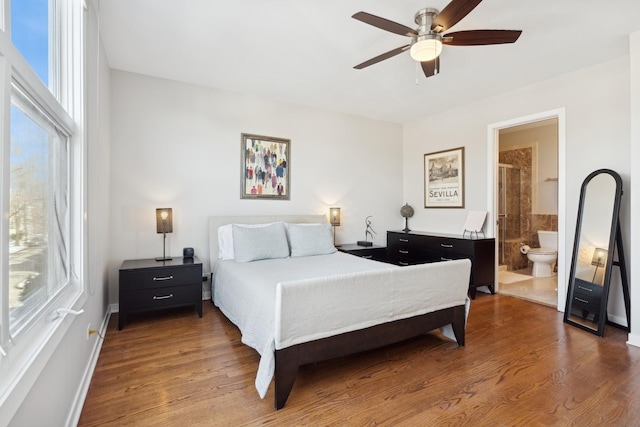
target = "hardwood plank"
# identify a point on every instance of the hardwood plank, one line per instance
(521, 366)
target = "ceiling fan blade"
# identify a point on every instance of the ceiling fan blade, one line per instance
(431, 68)
(452, 14)
(382, 57)
(385, 24)
(480, 37)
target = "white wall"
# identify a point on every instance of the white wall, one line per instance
(596, 100)
(178, 145)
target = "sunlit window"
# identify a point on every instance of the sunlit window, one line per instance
(31, 33)
(38, 211)
(42, 177)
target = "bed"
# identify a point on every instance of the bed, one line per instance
(311, 303)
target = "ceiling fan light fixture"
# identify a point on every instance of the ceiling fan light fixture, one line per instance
(426, 48)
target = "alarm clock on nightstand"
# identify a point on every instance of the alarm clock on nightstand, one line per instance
(187, 253)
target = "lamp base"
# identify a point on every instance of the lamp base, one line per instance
(364, 243)
(162, 258)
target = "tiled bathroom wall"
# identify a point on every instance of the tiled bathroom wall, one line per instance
(521, 227)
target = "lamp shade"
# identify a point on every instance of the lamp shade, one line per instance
(426, 48)
(164, 220)
(599, 257)
(334, 216)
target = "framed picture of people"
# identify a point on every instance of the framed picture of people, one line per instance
(444, 179)
(266, 167)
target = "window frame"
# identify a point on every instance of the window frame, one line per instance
(25, 354)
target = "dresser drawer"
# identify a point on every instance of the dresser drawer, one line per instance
(151, 299)
(159, 277)
(407, 247)
(404, 239)
(450, 246)
(433, 256)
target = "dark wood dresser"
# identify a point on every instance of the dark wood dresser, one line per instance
(147, 284)
(418, 247)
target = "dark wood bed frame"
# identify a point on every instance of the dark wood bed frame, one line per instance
(289, 359)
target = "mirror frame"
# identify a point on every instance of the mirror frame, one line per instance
(613, 239)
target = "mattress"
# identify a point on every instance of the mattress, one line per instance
(277, 303)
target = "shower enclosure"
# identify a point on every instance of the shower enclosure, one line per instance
(508, 209)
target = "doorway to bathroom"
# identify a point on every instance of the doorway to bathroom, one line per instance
(526, 185)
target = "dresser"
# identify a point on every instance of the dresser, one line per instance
(147, 284)
(417, 247)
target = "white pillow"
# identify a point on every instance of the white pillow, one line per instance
(225, 238)
(256, 243)
(225, 242)
(310, 239)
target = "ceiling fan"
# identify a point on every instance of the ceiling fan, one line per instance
(427, 39)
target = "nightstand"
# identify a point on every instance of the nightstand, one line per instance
(147, 284)
(377, 253)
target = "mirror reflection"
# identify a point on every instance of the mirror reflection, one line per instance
(595, 237)
(595, 230)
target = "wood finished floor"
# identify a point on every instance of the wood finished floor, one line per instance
(521, 366)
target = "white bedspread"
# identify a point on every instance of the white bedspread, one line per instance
(331, 294)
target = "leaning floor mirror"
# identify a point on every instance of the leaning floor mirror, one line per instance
(597, 241)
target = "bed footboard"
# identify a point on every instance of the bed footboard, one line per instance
(289, 359)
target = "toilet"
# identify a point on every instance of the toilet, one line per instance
(544, 257)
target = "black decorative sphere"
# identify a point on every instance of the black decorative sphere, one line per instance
(406, 211)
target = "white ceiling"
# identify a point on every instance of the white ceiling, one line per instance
(303, 51)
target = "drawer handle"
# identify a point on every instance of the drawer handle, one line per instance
(155, 279)
(403, 252)
(404, 240)
(445, 246)
(403, 263)
(445, 259)
(582, 300)
(163, 297)
(367, 256)
(585, 289)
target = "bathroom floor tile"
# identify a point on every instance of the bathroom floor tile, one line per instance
(541, 290)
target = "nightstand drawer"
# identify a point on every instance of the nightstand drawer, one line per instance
(587, 289)
(587, 303)
(374, 252)
(151, 299)
(160, 277)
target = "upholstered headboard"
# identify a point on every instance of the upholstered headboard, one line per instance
(217, 221)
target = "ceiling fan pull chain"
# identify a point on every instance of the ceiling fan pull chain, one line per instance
(418, 70)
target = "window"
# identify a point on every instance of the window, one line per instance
(41, 233)
(30, 33)
(38, 211)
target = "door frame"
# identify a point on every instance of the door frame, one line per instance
(492, 193)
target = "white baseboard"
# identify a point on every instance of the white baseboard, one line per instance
(81, 394)
(634, 340)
